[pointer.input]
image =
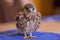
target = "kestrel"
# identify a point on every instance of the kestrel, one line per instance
(28, 20)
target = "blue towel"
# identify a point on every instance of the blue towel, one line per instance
(14, 35)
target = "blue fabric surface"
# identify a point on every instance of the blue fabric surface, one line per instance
(13, 35)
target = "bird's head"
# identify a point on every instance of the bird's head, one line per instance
(29, 8)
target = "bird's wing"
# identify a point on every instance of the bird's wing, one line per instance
(39, 18)
(39, 15)
(19, 16)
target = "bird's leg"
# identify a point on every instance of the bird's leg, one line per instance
(25, 35)
(31, 35)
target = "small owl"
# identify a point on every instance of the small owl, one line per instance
(28, 20)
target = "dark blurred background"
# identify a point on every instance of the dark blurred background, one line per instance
(9, 8)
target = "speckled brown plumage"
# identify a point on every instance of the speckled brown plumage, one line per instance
(28, 19)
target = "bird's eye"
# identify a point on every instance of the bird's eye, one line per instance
(26, 8)
(33, 8)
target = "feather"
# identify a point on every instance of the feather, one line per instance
(28, 21)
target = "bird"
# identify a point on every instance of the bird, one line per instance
(28, 19)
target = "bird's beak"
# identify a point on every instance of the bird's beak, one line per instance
(31, 10)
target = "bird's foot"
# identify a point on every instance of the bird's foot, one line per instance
(31, 36)
(26, 37)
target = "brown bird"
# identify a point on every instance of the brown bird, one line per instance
(28, 20)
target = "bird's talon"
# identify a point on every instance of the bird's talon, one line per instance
(32, 36)
(26, 37)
